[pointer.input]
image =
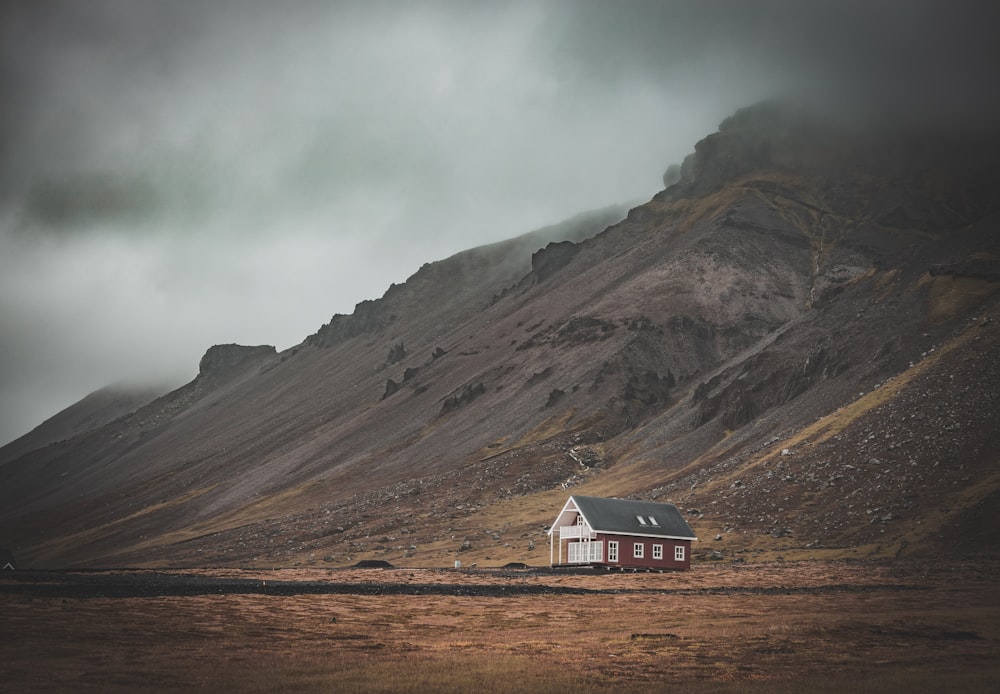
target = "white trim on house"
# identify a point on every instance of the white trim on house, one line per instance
(657, 537)
(581, 530)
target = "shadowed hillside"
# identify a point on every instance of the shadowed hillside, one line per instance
(797, 342)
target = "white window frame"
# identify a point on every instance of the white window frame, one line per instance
(678, 552)
(642, 521)
(657, 551)
(585, 552)
(653, 521)
(613, 551)
(638, 550)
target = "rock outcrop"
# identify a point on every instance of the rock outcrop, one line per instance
(221, 361)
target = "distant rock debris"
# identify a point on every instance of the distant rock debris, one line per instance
(648, 386)
(390, 387)
(583, 329)
(578, 330)
(396, 353)
(539, 376)
(466, 395)
(555, 395)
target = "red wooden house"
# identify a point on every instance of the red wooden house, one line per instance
(620, 533)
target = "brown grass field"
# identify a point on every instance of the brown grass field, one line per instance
(817, 626)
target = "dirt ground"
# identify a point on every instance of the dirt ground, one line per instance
(823, 626)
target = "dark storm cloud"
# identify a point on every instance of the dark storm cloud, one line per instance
(177, 174)
(925, 60)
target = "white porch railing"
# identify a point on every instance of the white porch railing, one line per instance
(585, 552)
(567, 532)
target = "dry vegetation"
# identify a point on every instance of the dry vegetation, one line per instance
(797, 626)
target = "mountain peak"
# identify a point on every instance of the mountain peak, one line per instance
(792, 138)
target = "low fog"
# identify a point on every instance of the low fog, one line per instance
(177, 174)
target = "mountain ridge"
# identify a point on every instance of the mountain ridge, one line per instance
(793, 278)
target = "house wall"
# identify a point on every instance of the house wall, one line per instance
(626, 558)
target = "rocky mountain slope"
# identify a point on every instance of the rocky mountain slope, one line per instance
(94, 411)
(797, 342)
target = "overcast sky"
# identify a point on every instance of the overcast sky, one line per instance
(181, 173)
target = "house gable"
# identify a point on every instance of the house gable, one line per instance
(568, 515)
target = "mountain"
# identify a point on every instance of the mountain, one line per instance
(93, 411)
(796, 342)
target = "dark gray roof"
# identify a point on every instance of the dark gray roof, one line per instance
(622, 516)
